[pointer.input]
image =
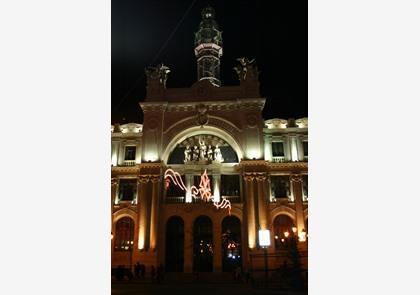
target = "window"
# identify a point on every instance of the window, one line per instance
(280, 186)
(130, 153)
(278, 149)
(305, 188)
(283, 232)
(175, 191)
(305, 148)
(230, 185)
(127, 189)
(124, 234)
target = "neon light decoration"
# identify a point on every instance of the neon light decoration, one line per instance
(203, 191)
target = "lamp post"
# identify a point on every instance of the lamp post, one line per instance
(264, 240)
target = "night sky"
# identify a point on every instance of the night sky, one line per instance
(273, 32)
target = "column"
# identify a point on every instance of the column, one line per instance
(217, 244)
(142, 212)
(262, 203)
(250, 205)
(114, 183)
(216, 186)
(154, 212)
(296, 181)
(188, 184)
(268, 149)
(188, 246)
(293, 148)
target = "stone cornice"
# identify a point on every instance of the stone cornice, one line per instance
(125, 169)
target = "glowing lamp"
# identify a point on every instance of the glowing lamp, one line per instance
(286, 234)
(302, 236)
(264, 237)
(294, 229)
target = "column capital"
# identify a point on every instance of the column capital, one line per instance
(142, 179)
(261, 177)
(154, 178)
(249, 177)
(114, 180)
(296, 178)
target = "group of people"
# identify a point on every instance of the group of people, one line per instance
(156, 274)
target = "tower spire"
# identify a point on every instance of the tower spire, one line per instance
(208, 47)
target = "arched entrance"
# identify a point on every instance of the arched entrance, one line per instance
(124, 234)
(203, 245)
(283, 230)
(174, 256)
(231, 243)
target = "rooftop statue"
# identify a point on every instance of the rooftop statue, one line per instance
(247, 69)
(157, 73)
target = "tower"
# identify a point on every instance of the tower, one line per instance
(208, 47)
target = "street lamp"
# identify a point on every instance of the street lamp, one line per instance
(264, 239)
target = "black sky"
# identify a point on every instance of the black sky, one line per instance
(273, 32)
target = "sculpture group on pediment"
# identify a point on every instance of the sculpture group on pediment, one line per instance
(204, 152)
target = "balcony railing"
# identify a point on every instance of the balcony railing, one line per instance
(279, 159)
(129, 163)
(174, 200)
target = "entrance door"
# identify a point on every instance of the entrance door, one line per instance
(203, 245)
(231, 243)
(174, 245)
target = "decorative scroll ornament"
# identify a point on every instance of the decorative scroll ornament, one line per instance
(203, 191)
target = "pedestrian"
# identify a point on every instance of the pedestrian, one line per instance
(142, 271)
(137, 270)
(153, 272)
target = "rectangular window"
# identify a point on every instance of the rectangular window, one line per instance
(305, 188)
(127, 189)
(280, 186)
(174, 190)
(130, 153)
(278, 149)
(230, 185)
(305, 148)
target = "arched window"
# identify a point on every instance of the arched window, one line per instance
(284, 230)
(124, 234)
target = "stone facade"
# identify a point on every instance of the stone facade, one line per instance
(269, 154)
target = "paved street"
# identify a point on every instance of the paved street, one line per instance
(136, 288)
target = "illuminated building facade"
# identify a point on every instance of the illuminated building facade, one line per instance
(259, 166)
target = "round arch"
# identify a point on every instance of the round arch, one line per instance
(125, 212)
(283, 210)
(196, 130)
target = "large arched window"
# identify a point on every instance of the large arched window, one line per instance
(175, 244)
(203, 244)
(124, 234)
(231, 243)
(284, 230)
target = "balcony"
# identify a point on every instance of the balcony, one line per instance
(280, 159)
(129, 163)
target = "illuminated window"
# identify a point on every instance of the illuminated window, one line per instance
(124, 234)
(278, 149)
(130, 153)
(175, 190)
(127, 189)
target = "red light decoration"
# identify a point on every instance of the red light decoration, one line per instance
(203, 191)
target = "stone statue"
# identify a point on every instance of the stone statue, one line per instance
(209, 153)
(187, 154)
(195, 153)
(218, 154)
(158, 73)
(246, 69)
(203, 152)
